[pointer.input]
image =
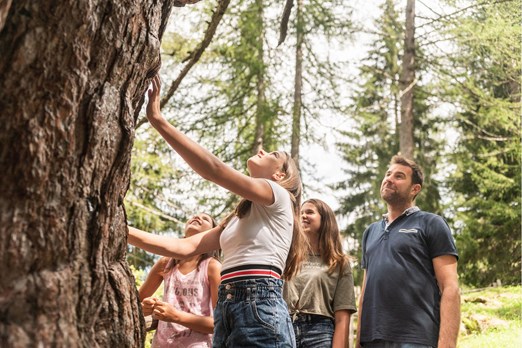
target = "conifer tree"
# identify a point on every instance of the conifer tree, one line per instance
(484, 82)
(374, 138)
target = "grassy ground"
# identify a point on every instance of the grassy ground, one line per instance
(491, 318)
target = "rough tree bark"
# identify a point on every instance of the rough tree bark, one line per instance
(407, 82)
(72, 79)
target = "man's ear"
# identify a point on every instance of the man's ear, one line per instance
(416, 189)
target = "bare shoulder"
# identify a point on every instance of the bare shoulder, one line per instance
(214, 265)
(163, 261)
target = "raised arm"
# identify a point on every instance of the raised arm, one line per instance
(446, 273)
(201, 160)
(174, 247)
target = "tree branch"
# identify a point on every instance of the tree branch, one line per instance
(195, 55)
(284, 21)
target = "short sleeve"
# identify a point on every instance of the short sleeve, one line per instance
(440, 239)
(344, 298)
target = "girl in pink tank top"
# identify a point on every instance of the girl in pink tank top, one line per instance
(185, 315)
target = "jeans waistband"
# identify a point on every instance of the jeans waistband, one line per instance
(246, 272)
(252, 289)
(309, 318)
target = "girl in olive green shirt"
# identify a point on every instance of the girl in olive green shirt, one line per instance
(321, 297)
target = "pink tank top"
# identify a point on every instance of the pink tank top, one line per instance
(189, 293)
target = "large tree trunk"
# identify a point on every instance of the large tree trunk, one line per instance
(72, 79)
(298, 85)
(407, 82)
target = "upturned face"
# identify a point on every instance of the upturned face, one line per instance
(310, 218)
(197, 224)
(267, 165)
(397, 186)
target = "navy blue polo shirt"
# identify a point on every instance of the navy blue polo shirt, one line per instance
(402, 299)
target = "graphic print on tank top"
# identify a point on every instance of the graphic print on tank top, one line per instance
(189, 293)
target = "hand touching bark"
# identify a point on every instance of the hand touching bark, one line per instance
(153, 106)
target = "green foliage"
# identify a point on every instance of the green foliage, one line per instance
(374, 139)
(146, 205)
(322, 72)
(237, 93)
(491, 318)
(486, 87)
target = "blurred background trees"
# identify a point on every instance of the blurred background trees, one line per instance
(338, 81)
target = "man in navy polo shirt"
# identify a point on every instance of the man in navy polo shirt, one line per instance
(410, 294)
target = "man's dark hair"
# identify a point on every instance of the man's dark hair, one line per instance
(417, 173)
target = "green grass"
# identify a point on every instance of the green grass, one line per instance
(491, 318)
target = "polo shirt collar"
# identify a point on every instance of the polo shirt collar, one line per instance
(407, 212)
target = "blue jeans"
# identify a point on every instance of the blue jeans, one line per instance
(389, 344)
(252, 313)
(313, 331)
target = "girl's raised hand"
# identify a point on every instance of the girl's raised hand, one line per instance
(153, 106)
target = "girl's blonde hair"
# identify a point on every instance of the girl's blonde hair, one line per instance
(292, 183)
(330, 244)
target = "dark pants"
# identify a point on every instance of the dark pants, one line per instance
(313, 331)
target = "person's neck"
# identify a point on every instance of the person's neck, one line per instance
(188, 260)
(394, 211)
(313, 240)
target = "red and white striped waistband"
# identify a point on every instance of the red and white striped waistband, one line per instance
(246, 272)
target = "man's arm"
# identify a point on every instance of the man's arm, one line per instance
(360, 309)
(446, 273)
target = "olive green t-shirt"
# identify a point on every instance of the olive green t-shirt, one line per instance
(314, 291)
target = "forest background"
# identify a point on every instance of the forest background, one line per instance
(333, 95)
(352, 84)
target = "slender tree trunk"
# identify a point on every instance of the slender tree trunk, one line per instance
(261, 107)
(407, 82)
(298, 85)
(72, 79)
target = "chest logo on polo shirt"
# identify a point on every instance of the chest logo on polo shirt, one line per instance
(408, 230)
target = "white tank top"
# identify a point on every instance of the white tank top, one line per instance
(263, 236)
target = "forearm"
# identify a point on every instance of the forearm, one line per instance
(203, 324)
(341, 331)
(156, 244)
(449, 317)
(198, 158)
(173, 247)
(359, 312)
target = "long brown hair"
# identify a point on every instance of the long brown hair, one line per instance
(172, 262)
(292, 183)
(330, 244)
